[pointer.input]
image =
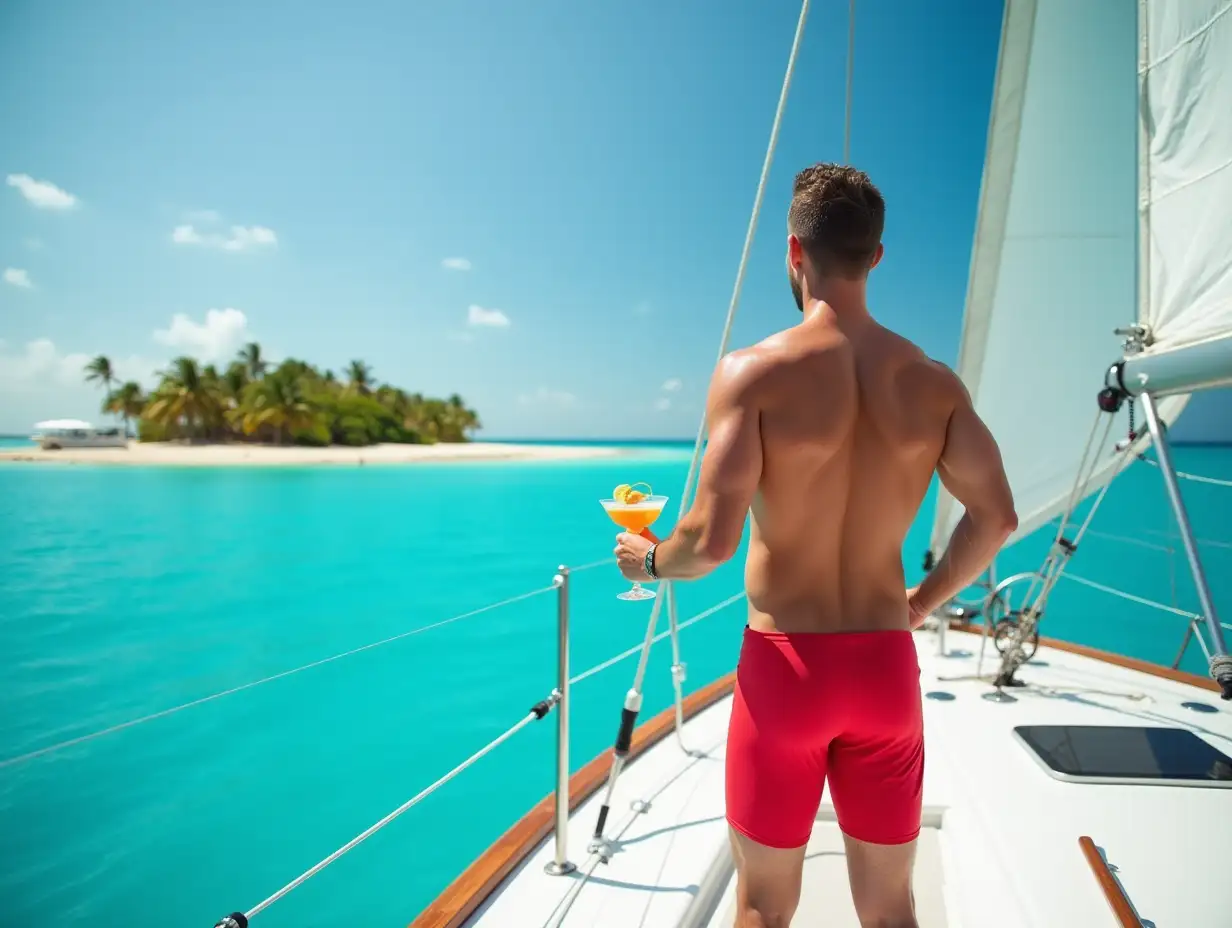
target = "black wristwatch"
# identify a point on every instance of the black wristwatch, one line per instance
(648, 563)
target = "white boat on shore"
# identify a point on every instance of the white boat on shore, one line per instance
(56, 434)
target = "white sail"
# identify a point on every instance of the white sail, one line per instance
(1186, 81)
(1054, 263)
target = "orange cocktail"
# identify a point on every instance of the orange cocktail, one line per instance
(634, 511)
(636, 520)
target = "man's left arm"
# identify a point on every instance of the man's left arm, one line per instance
(731, 471)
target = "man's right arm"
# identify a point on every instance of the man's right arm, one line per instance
(970, 468)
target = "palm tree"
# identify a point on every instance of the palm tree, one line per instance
(234, 380)
(184, 399)
(276, 402)
(251, 397)
(465, 419)
(127, 402)
(297, 369)
(254, 363)
(214, 422)
(100, 372)
(360, 376)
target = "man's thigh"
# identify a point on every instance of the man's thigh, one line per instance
(880, 877)
(767, 880)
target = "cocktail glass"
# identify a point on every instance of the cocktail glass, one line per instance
(635, 518)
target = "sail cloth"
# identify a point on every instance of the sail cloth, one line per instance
(1054, 263)
(1186, 79)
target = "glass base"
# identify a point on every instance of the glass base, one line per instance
(636, 594)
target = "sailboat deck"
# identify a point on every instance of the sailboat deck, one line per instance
(1001, 839)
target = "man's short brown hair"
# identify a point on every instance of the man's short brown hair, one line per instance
(838, 216)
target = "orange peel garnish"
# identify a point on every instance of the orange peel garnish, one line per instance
(629, 494)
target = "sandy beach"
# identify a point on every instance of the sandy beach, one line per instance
(240, 455)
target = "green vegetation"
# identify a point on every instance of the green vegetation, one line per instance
(294, 402)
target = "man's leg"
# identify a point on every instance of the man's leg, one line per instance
(881, 883)
(776, 770)
(877, 782)
(767, 883)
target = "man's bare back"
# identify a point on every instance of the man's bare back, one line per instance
(853, 423)
(829, 433)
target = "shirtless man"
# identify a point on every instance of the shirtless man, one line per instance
(830, 431)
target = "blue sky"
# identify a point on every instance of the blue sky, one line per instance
(537, 205)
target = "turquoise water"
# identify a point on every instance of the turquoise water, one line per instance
(124, 591)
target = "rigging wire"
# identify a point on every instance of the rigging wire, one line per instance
(851, 59)
(1062, 550)
(1196, 478)
(537, 712)
(532, 716)
(1130, 540)
(612, 661)
(1140, 600)
(633, 697)
(231, 691)
(1174, 537)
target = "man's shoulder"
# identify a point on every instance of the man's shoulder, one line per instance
(945, 376)
(761, 359)
(938, 372)
(741, 370)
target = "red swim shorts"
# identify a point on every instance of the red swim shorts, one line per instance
(808, 705)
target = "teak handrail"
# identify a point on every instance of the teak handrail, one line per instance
(1121, 907)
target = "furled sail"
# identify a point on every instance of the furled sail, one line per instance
(1185, 151)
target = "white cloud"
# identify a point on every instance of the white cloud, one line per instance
(672, 384)
(560, 399)
(42, 363)
(18, 278)
(662, 404)
(489, 318)
(456, 264)
(41, 382)
(41, 193)
(238, 238)
(216, 339)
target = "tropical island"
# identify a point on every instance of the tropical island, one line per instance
(290, 414)
(294, 403)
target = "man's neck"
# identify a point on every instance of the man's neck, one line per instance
(835, 300)
(835, 312)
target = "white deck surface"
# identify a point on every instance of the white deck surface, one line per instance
(825, 897)
(1004, 849)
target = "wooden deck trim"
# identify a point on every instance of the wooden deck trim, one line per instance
(1129, 663)
(1121, 907)
(465, 894)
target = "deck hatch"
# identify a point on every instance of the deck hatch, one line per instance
(1126, 754)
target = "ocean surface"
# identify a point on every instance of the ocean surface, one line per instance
(125, 591)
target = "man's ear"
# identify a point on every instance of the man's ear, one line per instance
(877, 256)
(795, 252)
